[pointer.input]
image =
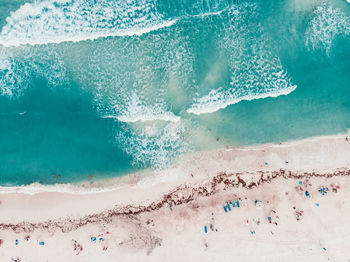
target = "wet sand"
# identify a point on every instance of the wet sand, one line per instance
(162, 216)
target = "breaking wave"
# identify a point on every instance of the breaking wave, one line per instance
(46, 21)
(11, 77)
(217, 99)
(155, 145)
(145, 82)
(255, 72)
(326, 24)
(136, 86)
(17, 70)
(137, 83)
(135, 110)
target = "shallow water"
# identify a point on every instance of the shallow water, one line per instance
(111, 87)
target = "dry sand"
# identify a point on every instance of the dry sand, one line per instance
(161, 216)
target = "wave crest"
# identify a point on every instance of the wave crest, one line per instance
(255, 72)
(75, 20)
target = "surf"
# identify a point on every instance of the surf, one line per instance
(45, 22)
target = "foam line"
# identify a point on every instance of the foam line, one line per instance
(145, 118)
(212, 106)
(41, 41)
(47, 21)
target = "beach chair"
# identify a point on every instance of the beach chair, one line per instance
(233, 204)
(237, 202)
(205, 229)
(228, 206)
(41, 243)
(225, 209)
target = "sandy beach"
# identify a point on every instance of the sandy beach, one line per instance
(274, 202)
(174, 131)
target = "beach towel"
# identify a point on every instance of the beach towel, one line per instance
(307, 194)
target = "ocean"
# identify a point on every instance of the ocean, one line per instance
(106, 88)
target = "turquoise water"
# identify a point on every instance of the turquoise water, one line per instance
(106, 88)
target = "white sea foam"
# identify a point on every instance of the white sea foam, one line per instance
(167, 116)
(36, 188)
(139, 77)
(215, 100)
(12, 76)
(6, 76)
(209, 14)
(48, 21)
(256, 72)
(83, 37)
(137, 85)
(135, 110)
(326, 24)
(17, 69)
(157, 145)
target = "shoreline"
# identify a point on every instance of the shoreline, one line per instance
(109, 184)
(181, 213)
(316, 155)
(172, 199)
